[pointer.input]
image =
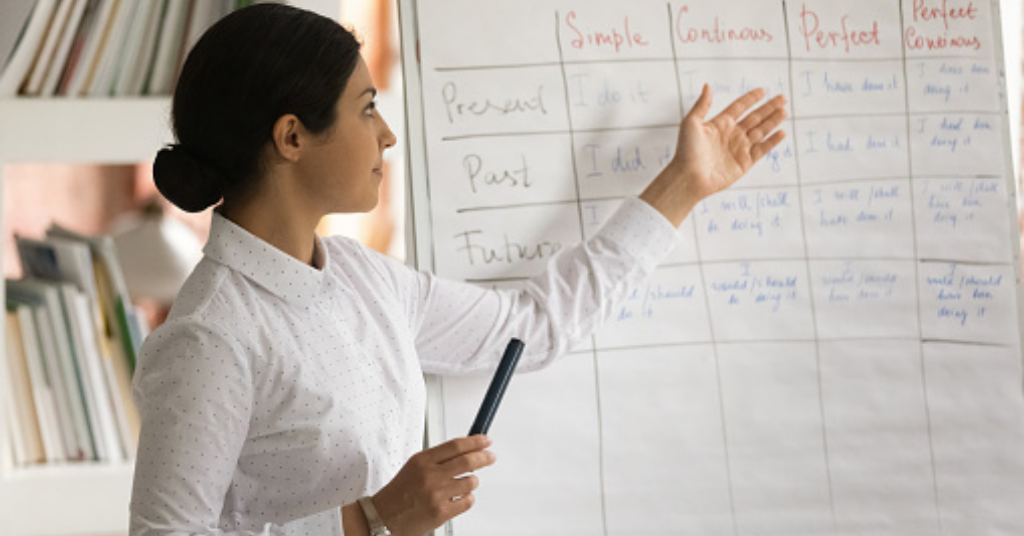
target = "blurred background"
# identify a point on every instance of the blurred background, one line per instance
(122, 200)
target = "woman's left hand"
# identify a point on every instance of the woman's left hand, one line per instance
(713, 154)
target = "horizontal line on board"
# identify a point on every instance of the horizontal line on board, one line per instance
(684, 59)
(497, 280)
(952, 112)
(566, 132)
(832, 259)
(907, 115)
(610, 349)
(550, 64)
(928, 176)
(521, 205)
(776, 259)
(735, 189)
(967, 263)
(546, 203)
(673, 126)
(807, 184)
(966, 343)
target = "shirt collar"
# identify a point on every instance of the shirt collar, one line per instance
(281, 274)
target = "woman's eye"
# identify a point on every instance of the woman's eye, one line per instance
(371, 107)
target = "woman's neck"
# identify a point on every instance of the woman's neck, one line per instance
(276, 218)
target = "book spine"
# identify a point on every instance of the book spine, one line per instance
(95, 389)
(33, 86)
(60, 311)
(171, 35)
(20, 384)
(91, 51)
(42, 393)
(56, 381)
(60, 56)
(78, 46)
(27, 49)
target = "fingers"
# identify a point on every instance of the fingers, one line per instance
(462, 504)
(458, 497)
(464, 486)
(761, 130)
(765, 111)
(703, 105)
(742, 104)
(467, 463)
(761, 149)
(456, 447)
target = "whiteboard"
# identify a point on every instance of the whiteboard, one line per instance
(832, 348)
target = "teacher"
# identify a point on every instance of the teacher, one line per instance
(284, 395)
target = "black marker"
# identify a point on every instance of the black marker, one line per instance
(497, 388)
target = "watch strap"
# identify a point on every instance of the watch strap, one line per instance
(377, 526)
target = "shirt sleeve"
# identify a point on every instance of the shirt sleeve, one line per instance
(194, 391)
(462, 328)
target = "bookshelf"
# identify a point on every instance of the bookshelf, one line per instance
(79, 499)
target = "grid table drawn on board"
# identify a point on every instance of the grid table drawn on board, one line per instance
(873, 244)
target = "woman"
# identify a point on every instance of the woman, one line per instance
(284, 394)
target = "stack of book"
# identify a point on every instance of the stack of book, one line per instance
(99, 48)
(71, 341)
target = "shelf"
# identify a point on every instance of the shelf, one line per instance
(80, 498)
(109, 131)
(54, 500)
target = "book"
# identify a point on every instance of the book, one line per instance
(107, 273)
(63, 50)
(14, 15)
(85, 28)
(23, 418)
(61, 259)
(103, 250)
(118, 344)
(140, 44)
(14, 450)
(93, 378)
(42, 390)
(57, 258)
(25, 52)
(172, 33)
(92, 51)
(60, 366)
(32, 86)
(119, 380)
(115, 48)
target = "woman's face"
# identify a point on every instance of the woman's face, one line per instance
(345, 168)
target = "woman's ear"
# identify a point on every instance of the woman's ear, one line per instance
(289, 137)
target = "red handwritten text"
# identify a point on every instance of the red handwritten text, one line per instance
(716, 33)
(946, 13)
(844, 36)
(917, 37)
(615, 37)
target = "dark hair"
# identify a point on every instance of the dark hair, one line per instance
(249, 69)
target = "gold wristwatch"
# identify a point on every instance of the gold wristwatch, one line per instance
(377, 526)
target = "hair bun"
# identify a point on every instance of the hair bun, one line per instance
(184, 180)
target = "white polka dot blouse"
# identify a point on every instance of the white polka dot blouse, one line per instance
(277, 391)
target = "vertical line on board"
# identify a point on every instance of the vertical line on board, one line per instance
(807, 267)
(917, 276)
(707, 300)
(583, 237)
